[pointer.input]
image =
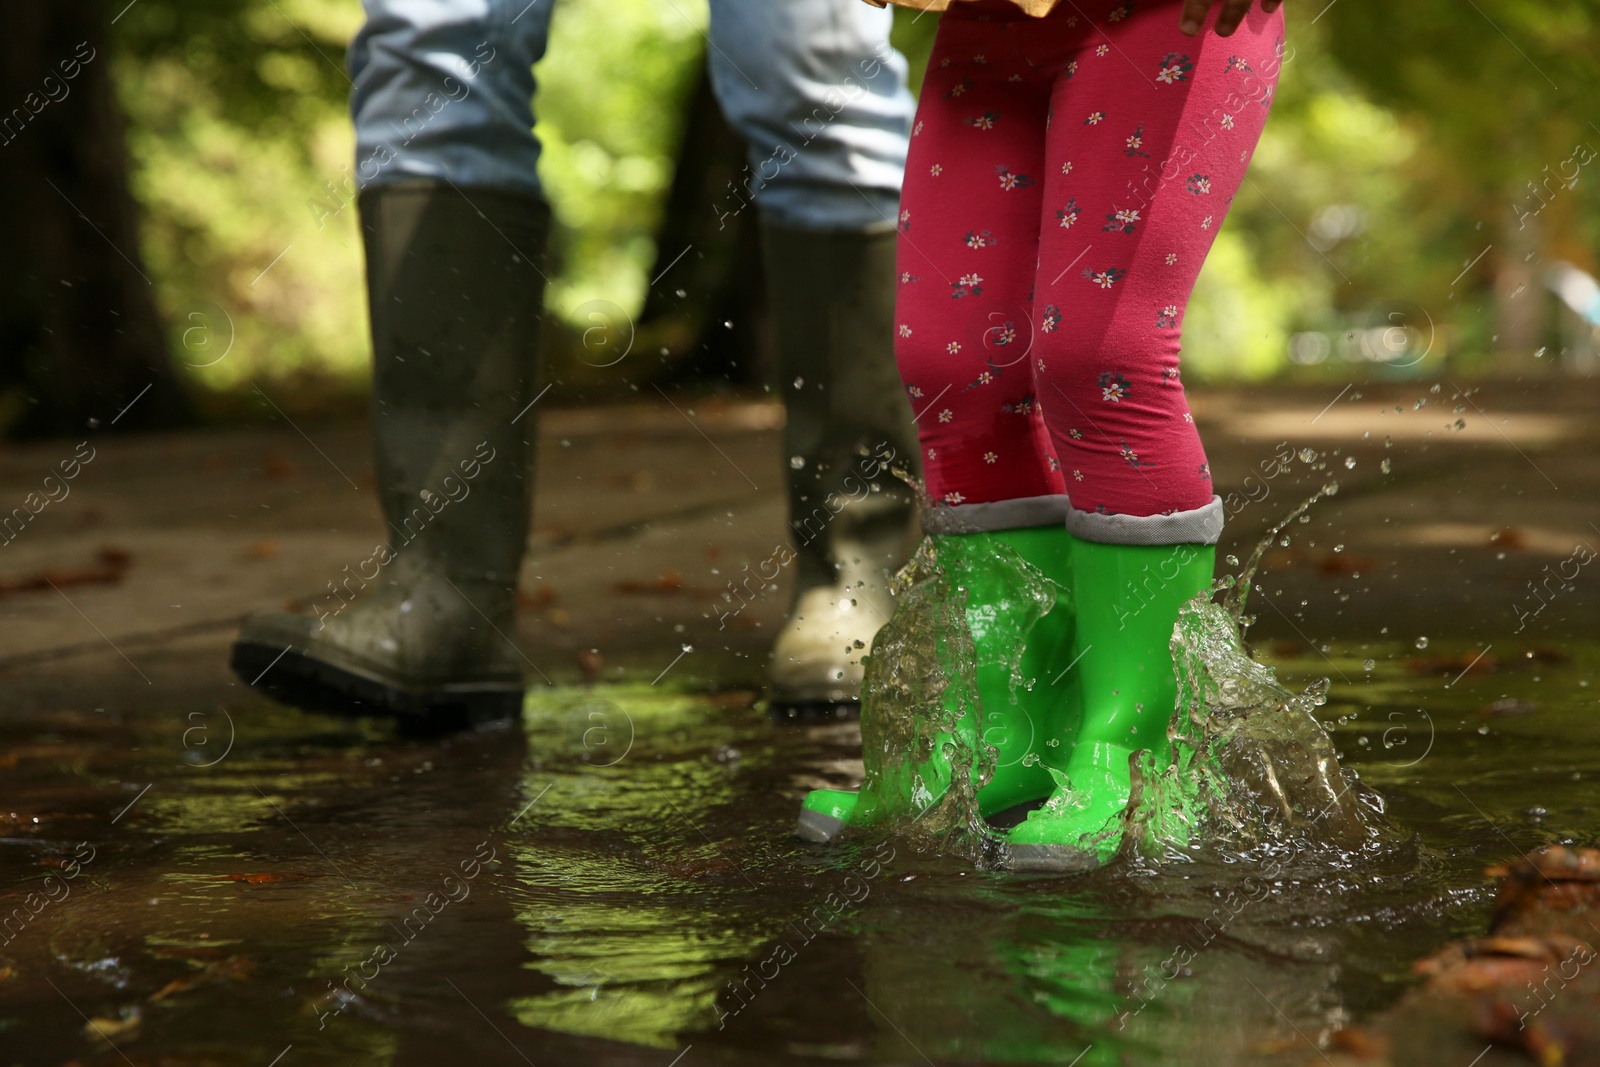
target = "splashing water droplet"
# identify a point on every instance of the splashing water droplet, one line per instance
(1284, 541)
(1386, 466)
(797, 463)
(799, 383)
(1231, 560)
(1422, 642)
(1338, 548)
(1308, 455)
(1350, 463)
(1368, 664)
(1461, 424)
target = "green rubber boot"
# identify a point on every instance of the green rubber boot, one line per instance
(1126, 599)
(1020, 626)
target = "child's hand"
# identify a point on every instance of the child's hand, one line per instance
(1194, 13)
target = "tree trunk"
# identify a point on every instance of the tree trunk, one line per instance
(80, 336)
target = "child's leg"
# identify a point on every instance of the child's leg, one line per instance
(1151, 133)
(968, 246)
(967, 252)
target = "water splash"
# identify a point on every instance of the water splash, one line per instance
(1249, 764)
(1247, 752)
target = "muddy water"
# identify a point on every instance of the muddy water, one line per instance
(615, 883)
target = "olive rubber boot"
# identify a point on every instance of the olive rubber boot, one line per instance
(831, 295)
(1018, 611)
(423, 628)
(1127, 599)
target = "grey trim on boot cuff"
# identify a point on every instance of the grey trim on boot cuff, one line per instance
(1019, 514)
(1202, 526)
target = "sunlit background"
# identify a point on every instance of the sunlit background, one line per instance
(1413, 208)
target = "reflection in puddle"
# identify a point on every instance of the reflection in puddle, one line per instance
(645, 894)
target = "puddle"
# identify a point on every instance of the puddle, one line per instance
(616, 883)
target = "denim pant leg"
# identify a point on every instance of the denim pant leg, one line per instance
(443, 92)
(821, 99)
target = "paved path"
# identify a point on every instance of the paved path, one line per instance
(646, 511)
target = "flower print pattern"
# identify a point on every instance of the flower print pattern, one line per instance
(1122, 220)
(966, 285)
(1105, 279)
(1113, 387)
(976, 237)
(1010, 180)
(1175, 67)
(1133, 146)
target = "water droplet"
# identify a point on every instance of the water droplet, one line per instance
(94, 424)
(1231, 560)
(797, 463)
(1031, 759)
(1350, 463)
(1435, 389)
(1422, 642)
(1338, 548)
(682, 293)
(1386, 466)
(1388, 442)
(1368, 664)
(1307, 455)
(1461, 424)
(799, 383)
(727, 324)
(1539, 354)
(1284, 541)
(1420, 404)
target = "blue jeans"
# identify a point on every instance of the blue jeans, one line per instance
(444, 89)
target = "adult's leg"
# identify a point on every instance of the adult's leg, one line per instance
(821, 100)
(1151, 135)
(454, 229)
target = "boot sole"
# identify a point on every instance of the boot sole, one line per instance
(291, 677)
(817, 828)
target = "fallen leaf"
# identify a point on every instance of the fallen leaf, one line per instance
(666, 583)
(113, 563)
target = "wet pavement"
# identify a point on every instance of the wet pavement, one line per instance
(192, 875)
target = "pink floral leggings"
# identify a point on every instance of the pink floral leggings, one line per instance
(1067, 176)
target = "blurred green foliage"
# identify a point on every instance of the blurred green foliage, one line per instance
(1397, 148)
